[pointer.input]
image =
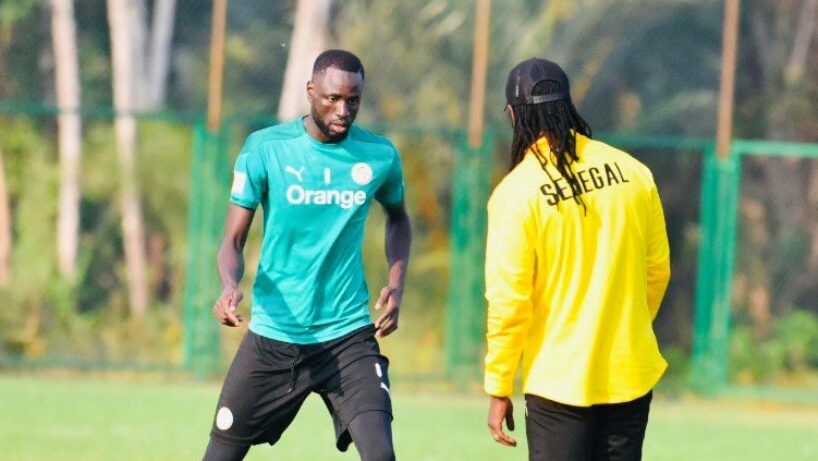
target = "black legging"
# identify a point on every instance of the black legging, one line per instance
(371, 433)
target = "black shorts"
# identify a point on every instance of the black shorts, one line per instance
(269, 380)
(605, 432)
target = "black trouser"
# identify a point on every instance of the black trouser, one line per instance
(269, 380)
(606, 432)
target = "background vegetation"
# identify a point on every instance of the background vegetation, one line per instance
(642, 67)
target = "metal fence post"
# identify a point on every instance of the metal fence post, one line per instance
(465, 323)
(711, 345)
(208, 188)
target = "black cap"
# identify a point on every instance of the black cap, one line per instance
(526, 75)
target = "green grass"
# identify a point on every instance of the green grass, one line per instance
(55, 419)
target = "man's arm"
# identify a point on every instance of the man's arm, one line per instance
(510, 262)
(398, 243)
(231, 264)
(658, 255)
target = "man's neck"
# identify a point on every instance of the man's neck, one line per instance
(312, 129)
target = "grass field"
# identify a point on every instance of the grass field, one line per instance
(48, 418)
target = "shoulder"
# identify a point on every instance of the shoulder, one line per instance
(372, 140)
(282, 132)
(520, 186)
(622, 158)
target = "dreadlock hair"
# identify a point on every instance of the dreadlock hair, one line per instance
(339, 59)
(559, 122)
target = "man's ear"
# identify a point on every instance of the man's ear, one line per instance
(310, 91)
(511, 116)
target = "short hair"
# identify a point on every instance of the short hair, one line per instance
(339, 59)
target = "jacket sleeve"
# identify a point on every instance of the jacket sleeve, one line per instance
(510, 265)
(658, 254)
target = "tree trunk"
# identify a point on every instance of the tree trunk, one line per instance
(150, 57)
(137, 14)
(125, 125)
(800, 49)
(5, 228)
(67, 82)
(310, 36)
(159, 53)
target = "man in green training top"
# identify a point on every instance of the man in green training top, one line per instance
(311, 330)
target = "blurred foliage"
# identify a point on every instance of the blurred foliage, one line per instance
(788, 352)
(642, 67)
(87, 318)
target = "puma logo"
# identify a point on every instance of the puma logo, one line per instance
(296, 173)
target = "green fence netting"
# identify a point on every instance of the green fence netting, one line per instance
(183, 177)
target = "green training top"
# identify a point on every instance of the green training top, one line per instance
(310, 283)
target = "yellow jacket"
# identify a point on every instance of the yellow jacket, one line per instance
(574, 292)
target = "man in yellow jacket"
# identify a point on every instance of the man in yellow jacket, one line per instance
(577, 263)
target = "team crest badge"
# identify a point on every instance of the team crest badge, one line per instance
(362, 174)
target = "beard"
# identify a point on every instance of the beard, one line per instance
(324, 128)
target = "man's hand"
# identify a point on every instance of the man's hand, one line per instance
(387, 322)
(501, 409)
(225, 308)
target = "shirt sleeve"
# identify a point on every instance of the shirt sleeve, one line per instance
(392, 190)
(249, 180)
(510, 261)
(658, 254)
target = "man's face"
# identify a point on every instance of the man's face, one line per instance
(334, 96)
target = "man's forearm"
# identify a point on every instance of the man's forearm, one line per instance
(398, 244)
(231, 264)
